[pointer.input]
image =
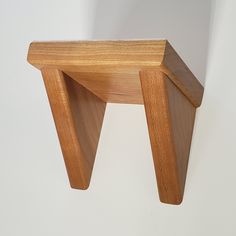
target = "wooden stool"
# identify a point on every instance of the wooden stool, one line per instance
(81, 77)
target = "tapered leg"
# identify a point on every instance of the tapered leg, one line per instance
(170, 118)
(78, 115)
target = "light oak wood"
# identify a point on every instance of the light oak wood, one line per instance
(174, 67)
(111, 87)
(119, 60)
(170, 118)
(82, 76)
(78, 115)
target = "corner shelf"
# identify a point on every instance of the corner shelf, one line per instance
(82, 76)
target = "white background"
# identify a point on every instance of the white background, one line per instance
(35, 197)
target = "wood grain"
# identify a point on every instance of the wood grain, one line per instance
(119, 61)
(111, 87)
(175, 68)
(170, 118)
(80, 55)
(82, 76)
(78, 115)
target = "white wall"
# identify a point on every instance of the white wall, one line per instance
(35, 198)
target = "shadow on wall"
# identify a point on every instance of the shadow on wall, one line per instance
(184, 23)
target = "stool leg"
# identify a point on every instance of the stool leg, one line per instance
(78, 115)
(170, 119)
